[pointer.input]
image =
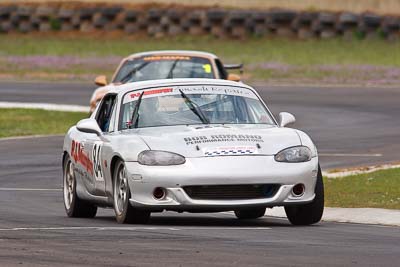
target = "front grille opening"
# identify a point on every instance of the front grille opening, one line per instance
(231, 192)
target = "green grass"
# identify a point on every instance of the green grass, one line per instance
(296, 52)
(380, 189)
(301, 61)
(18, 122)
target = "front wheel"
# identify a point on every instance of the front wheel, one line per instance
(310, 213)
(74, 207)
(124, 212)
(253, 213)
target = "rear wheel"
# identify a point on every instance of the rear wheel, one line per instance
(124, 212)
(74, 207)
(309, 213)
(253, 213)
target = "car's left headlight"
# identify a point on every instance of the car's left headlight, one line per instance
(294, 154)
(160, 158)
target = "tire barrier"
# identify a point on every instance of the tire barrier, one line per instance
(162, 20)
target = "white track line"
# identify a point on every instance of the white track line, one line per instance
(45, 106)
(29, 189)
(29, 137)
(86, 228)
(348, 155)
(128, 228)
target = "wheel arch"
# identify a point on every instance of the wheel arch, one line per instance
(113, 163)
(64, 156)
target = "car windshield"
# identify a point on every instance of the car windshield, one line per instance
(164, 67)
(188, 105)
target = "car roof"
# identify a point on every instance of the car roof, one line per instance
(172, 52)
(124, 88)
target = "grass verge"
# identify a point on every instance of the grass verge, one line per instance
(380, 189)
(290, 51)
(272, 59)
(19, 122)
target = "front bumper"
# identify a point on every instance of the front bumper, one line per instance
(224, 170)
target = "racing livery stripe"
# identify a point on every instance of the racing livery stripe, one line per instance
(81, 157)
(152, 92)
(171, 57)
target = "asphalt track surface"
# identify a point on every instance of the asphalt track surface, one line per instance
(351, 126)
(34, 230)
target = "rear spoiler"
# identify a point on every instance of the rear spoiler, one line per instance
(234, 67)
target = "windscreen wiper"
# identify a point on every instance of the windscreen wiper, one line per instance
(135, 113)
(195, 108)
(133, 71)
(171, 71)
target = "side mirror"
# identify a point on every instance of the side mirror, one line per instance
(233, 77)
(89, 126)
(101, 80)
(286, 118)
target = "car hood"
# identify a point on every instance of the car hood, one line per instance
(218, 140)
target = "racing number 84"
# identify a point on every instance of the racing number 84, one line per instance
(97, 171)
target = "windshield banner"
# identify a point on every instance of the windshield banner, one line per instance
(190, 90)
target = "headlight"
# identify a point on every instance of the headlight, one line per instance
(294, 154)
(160, 158)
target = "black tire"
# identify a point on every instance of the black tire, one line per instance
(74, 207)
(253, 213)
(308, 213)
(124, 212)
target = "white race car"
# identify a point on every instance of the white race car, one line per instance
(194, 145)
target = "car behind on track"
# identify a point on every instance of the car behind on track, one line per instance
(164, 64)
(195, 145)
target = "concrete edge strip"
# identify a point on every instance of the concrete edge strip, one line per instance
(122, 228)
(376, 216)
(361, 170)
(45, 106)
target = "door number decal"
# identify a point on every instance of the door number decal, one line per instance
(96, 152)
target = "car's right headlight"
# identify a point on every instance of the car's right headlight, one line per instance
(294, 154)
(160, 158)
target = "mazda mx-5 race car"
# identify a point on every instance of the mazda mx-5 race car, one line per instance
(164, 64)
(195, 145)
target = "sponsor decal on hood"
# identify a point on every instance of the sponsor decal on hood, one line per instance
(248, 140)
(203, 139)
